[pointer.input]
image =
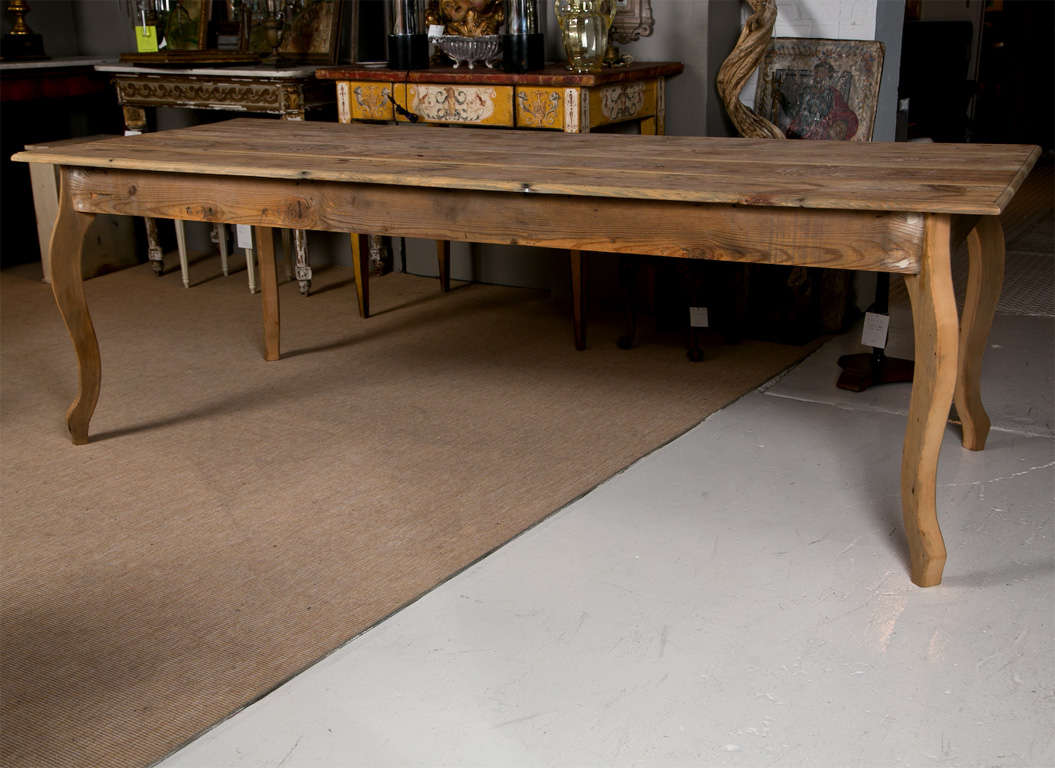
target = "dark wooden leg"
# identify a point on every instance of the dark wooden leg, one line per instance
(67, 285)
(697, 282)
(361, 264)
(985, 248)
(936, 329)
(578, 269)
(265, 248)
(443, 262)
(629, 267)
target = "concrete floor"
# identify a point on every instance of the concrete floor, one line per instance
(740, 597)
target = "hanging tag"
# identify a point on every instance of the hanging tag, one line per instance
(146, 39)
(698, 317)
(244, 235)
(875, 330)
(435, 30)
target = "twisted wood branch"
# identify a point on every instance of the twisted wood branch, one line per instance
(741, 62)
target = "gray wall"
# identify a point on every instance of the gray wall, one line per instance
(890, 18)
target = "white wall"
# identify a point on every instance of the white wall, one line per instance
(836, 19)
(849, 20)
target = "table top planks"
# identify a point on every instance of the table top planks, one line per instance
(968, 179)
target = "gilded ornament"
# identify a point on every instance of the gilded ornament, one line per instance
(469, 18)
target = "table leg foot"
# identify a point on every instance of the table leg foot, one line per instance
(985, 248)
(67, 285)
(935, 328)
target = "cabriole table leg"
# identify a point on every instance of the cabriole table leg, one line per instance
(985, 248)
(67, 285)
(936, 329)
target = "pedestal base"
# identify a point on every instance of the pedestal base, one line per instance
(28, 46)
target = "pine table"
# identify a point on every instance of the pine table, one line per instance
(897, 208)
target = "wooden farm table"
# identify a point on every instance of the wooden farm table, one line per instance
(883, 207)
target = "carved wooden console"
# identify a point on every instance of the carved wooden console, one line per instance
(289, 92)
(552, 98)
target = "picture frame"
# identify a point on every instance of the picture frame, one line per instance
(815, 88)
(633, 20)
(311, 35)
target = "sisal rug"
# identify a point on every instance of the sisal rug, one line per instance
(233, 520)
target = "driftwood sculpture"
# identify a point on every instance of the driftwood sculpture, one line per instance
(741, 62)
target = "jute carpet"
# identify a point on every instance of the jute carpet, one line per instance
(234, 520)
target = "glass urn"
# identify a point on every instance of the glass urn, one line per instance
(584, 31)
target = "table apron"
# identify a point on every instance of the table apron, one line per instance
(866, 240)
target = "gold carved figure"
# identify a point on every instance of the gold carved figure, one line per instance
(468, 18)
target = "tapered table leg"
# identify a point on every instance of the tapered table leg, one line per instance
(301, 267)
(361, 265)
(577, 287)
(936, 330)
(219, 236)
(985, 248)
(443, 263)
(67, 285)
(181, 245)
(265, 248)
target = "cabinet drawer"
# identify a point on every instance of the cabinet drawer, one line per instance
(540, 107)
(461, 104)
(364, 100)
(622, 101)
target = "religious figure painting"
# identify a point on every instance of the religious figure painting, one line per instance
(821, 89)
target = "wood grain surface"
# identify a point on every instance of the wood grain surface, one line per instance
(884, 241)
(973, 179)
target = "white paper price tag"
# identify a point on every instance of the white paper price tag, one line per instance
(435, 30)
(244, 235)
(875, 330)
(131, 132)
(698, 317)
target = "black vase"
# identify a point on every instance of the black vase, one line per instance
(522, 53)
(408, 51)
